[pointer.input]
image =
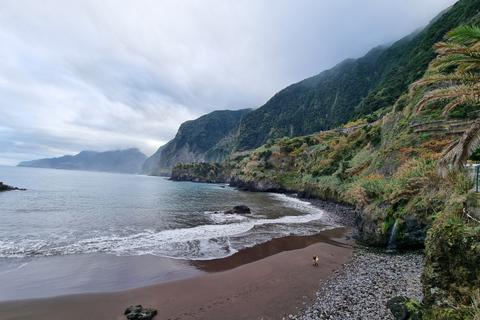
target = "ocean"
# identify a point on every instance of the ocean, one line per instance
(77, 231)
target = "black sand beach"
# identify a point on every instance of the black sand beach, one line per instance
(267, 281)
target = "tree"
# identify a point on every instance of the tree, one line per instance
(455, 78)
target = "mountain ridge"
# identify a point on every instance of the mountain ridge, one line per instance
(121, 161)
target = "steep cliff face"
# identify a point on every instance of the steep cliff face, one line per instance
(194, 139)
(151, 162)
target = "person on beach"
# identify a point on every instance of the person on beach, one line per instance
(315, 261)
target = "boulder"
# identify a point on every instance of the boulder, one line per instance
(398, 307)
(239, 209)
(139, 313)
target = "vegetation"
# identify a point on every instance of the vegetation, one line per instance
(455, 73)
(353, 89)
(384, 160)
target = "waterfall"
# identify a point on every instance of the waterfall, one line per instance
(393, 238)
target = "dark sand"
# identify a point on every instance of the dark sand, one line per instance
(264, 282)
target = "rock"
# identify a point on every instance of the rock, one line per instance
(398, 307)
(239, 209)
(139, 313)
(4, 187)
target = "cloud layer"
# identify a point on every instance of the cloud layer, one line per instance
(112, 74)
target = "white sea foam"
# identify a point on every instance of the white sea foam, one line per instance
(295, 203)
(201, 242)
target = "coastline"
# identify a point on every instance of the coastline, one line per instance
(244, 286)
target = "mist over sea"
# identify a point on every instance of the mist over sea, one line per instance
(68, 216)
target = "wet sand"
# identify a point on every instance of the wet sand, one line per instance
(267, 281)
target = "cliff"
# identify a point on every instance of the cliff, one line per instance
(194, 139)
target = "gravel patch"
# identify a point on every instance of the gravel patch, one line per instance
(361, 288)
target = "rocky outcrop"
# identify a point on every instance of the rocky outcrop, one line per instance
(4, 187)
(410, 233)
(239, 210)
(407, 231)
(369, 232)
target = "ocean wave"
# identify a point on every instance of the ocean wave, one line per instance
(209, 241)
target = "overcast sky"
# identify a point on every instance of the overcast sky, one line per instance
(114, 74)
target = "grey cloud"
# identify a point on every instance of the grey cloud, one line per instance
(99, 75)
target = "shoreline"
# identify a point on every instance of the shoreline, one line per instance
(242, 286)
(361, 288)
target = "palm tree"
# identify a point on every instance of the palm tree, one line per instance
(455, 74)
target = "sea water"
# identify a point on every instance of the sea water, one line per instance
(65, 214)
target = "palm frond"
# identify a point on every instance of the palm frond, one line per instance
(466, 145)
(465, 34)
(459, 93)
(444, 93)
(455, 102)
(460, 53)
(445, 157)
(450, 79)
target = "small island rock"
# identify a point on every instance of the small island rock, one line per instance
(239, 209)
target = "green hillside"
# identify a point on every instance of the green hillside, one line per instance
(352, 89)
(395, 172)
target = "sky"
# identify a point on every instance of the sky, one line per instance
(114, 74)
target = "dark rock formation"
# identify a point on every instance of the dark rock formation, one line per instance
(4, 187)
(410, 233)
(399, 308)
(239, 209)
(139, 313)
(369, 232)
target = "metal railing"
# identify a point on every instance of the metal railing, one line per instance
(477, 169)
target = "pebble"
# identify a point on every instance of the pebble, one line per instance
(361, 288)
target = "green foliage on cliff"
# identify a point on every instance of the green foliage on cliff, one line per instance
(352, 89)
(407, 59)
(318, 103)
